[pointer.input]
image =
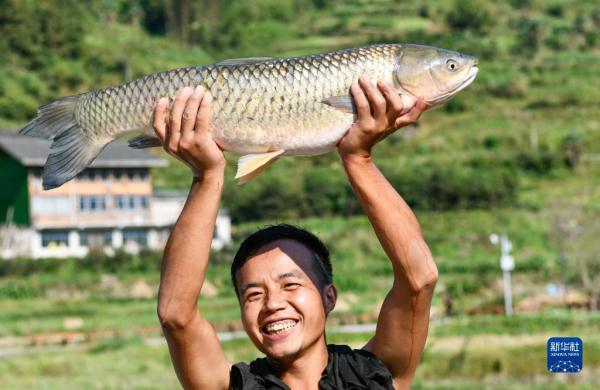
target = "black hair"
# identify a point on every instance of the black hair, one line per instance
(265, 236)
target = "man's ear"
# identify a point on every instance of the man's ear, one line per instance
(329, 297)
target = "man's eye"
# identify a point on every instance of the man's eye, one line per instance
(291, 286)
(253, 296)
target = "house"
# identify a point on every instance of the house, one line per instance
(111, 204)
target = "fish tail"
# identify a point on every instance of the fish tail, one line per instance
(53, 118)
(73, 148)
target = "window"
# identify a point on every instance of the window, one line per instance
(54, 238)
(95, 238)
(120, 201)
(139, 236)
(103, 173)
(47, 204)
(92, 203)
(87, 174)
(131, 202)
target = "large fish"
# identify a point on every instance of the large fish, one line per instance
(263, 107)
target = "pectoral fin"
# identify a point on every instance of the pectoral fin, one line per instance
(250, 165)
(144, 141)
(343, 103)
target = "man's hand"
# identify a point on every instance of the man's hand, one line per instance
(379, 113)
(184, 133)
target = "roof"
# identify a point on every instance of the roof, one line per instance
(32, 152)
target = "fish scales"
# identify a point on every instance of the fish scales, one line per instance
(256, 107)
(285, 106)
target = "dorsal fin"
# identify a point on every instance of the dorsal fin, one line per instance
(244, 61)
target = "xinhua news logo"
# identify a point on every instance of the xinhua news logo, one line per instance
(565, 354)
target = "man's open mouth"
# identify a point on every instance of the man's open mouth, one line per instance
(278, 327)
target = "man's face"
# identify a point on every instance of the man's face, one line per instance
(283, 309)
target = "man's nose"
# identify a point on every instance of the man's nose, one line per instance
(275, 301)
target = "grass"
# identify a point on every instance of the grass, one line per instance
(452, 360)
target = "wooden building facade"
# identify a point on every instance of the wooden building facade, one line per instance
(109, 205)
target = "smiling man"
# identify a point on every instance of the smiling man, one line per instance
(282, 274)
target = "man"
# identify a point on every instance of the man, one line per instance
(282, 276)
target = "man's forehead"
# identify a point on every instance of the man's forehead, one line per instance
(277, 257)
(292, 248)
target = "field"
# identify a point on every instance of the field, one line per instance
(516, 153)
(72, 328)
(473, 353)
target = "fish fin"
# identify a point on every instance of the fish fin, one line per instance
(250, 165)
(53, 118)
(343, 103)
(71, 152)
(72, 148)
(143, 141)
(244, 61)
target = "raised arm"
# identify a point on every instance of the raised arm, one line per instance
(195, 349)
(404, 318)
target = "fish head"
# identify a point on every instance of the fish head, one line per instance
(433, 74)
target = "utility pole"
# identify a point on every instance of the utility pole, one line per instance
(507, 264)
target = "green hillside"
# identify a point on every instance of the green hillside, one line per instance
(508, 153)
(517, 152)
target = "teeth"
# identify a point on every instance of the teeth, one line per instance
(278, 327)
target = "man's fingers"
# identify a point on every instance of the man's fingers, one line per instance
(174, 132)
(203, 116)
(190, 113)
(394, 103)
(159, 122)
(363, 110)
(413, 115)
(376, 100)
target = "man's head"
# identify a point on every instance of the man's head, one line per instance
(283, 278)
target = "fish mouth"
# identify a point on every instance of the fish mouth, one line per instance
(442, 98)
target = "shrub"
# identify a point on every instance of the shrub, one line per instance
(490, 141)
(530, 35)
(509, 88)
(455, 105)
(327, 192)
(442, 187)
(540, 162)
(592, 38)
(474, 15)
(571, 148)
(519, 4)
(558, 39)
(556, 10)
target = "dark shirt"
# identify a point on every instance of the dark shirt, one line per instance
(346, 369)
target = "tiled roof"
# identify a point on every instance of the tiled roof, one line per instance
(32, 152)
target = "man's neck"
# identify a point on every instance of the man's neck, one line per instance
(304, 371)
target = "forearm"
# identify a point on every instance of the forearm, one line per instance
(394, 223)
(187, 251)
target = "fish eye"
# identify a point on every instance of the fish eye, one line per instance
(451, 65)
